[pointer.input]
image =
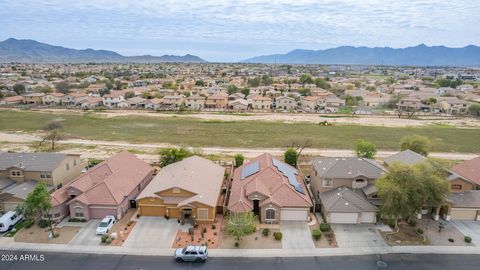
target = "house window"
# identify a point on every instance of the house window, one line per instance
(79, 212)
(74, 162)
(456, 186)
(202, 213)
(16, 173)
(270, 214)
(67, 166)
(327, 182)
(45, 175)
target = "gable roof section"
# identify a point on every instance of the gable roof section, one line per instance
(108, 182)
(31, 161)
(268, 181)
(194, 174)
(469, 169)
(348, 167)
(407, 157)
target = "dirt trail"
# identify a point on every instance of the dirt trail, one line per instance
(97, 152)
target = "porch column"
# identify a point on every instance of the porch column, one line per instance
(419, 214)
(478, 215)
(449, 209)
(437, 214)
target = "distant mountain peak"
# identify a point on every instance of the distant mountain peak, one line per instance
(31, 51)
(419, 55)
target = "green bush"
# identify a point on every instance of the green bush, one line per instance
(277, 235)
(412, 222)
(28, 223)
(77, 220)
(316, 234)
(451, 240)
(266, 232)
(104, 238)
(467, 239)
(420, 230)
(108, 240)
(43, 223)
(325, 227)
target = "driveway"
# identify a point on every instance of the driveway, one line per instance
(296, 235)
(87, 236)
(153, 232)
(357, 235)
(469, 228)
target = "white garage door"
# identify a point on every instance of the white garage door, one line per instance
(346, 218)
(294, 214)
(367, 217)
(463, 214)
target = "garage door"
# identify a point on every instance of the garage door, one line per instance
(294, 214)
(463, 214)
(10, 206)
(346, 218)
(367, 217)
(158, 211)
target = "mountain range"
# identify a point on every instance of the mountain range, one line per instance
(31, 51)
(420, 55)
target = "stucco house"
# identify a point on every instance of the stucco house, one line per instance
(261, 103)
(272, 189)
(109, 188)
(52, 99)
(195, 102)
(218, 101)
(285, 103)
(33, 98)
(344, 188)
(186, 190)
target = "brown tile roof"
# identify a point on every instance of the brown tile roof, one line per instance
(108, 182)
(469, 169)
(268, 181)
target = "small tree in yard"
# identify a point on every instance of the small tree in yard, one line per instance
(38, 204)
(474, 109)
(365, 149)
(239, 158)
(290, 157)
(53, 132)
(419, 144)
(240, 224)
(405, 189)
(172, 155)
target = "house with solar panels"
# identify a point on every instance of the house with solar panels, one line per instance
(272, 189)
(344, 188)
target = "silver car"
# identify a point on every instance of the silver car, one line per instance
(191, 254)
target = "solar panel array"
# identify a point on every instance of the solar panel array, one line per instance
(250, 169)
(290, 173)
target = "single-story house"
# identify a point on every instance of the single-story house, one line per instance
(187, 190)
(109, 188)
(272, 189)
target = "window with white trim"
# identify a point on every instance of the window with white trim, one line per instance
(270, 214)
(327, 182)
(45, 175)
(79, 212)
(16, 173)
(203, 213)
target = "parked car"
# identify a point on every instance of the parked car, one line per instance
(105, 225)
(191, 254)
(9, 220)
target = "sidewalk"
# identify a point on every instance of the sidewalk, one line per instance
(8, 244)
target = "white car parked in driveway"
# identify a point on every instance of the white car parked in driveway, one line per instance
(105, 225)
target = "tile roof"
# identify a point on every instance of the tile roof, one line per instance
(407, 157)
(469, 169)
(469, 198)
(348, 167)
(345, 200)
(108, 182)
(31, 161)
(21, 190)
(195, 174)
(268, 181)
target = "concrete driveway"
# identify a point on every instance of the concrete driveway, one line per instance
(357, 235)
(296, 235)
(87, 236)
(153, 232)
(469, 228)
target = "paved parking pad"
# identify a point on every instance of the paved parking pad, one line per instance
(357, 235)
(469, 228)
(153, 232)
(87, 236)
(296, 235)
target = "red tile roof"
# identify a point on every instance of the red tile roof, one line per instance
(469, 169)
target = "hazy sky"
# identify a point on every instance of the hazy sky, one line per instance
(234, 30)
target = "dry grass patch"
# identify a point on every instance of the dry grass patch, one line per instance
(36, 234)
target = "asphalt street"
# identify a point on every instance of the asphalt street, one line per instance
(65, 261)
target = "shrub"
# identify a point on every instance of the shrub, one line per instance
(467, 239)
(266, 232)
(316, 234)
(28, 223)
(104, 238)
(190, 231)
(420, 230)
(451, 240)
(214, 226)
(412, 222)
(325, 227)
(204, 230)
(129, 223)
(236, 244)
(277, 235)
(43, 223)
(109, 240)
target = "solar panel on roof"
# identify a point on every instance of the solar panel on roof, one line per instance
(290, 173)
(250, 169)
